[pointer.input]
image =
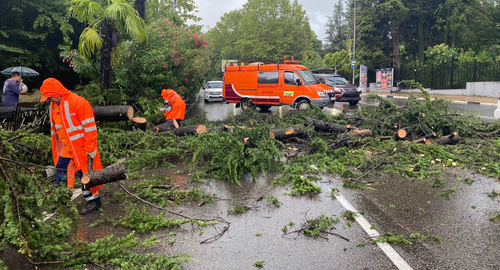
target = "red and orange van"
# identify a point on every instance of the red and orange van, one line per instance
(274, 85)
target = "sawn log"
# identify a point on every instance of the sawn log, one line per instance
(189, 130)
(168, 125)
(321, 125)
(104, 176)
(139, 123)
(113, 113)
(285, 133)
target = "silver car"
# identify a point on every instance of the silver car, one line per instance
(213, 91)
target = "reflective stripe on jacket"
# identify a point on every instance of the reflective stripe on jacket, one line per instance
(80, 130)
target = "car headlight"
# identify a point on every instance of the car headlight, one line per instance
(321, 94)
(359, 90)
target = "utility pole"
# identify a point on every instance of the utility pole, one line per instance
(354, 41)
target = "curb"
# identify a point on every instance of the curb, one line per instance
(452, 101)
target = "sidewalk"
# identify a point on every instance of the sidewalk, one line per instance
(453, 98)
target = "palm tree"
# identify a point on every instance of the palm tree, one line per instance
(101, 33)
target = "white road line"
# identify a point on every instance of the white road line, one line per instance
(386, 248)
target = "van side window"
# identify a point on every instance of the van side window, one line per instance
(268, 77)
(291, 78)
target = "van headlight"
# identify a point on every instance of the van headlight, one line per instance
(321, 94)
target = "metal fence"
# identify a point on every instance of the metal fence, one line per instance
(452, 75)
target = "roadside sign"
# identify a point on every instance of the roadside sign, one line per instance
(353, 63)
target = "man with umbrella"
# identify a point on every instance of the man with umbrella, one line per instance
(11, 90)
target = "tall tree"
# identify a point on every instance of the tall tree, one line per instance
(140, 6)
(31, 34)
(263, 30)
(337, 29)
(395, 13)
(104, 20)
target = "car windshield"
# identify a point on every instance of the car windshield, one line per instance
(308, 77)
(335, 80)
(214, 85)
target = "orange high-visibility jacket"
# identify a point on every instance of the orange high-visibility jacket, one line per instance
(178, 105)
(78, 126)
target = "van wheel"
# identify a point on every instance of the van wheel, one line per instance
(303, 105)
(264, 107)
(246, 104)
(352, 103)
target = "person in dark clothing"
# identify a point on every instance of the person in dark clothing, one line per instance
(11, 90)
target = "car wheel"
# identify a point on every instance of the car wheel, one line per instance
(246, 104)
(206, 100)
(353, 102)
(264, 107)
(303, 105)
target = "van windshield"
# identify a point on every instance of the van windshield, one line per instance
(308, 77)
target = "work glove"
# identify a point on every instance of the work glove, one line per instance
(92, 154)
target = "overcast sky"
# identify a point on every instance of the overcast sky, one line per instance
(210, 12)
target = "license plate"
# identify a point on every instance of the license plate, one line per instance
(332, 98)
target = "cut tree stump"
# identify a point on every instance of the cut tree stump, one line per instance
(400, 134)
(104, 176)
(140, 123)
(168, 125)
(321, 125)
(113, 113)
(190, 130)
(285, 133)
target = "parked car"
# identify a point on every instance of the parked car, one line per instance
(352, 93)
(213, 91)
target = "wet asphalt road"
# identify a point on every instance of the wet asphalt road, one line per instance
(400, 206)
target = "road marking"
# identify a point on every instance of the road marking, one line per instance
(398, 261)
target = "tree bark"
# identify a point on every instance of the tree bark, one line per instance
(140, 6)
(140, 123)
(113, 113)
(190, 130)
(449, 139)
(169, 125)
(285, 133)
(104, 176)
(107, 46)
(321, 125)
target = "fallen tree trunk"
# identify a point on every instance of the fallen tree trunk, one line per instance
(113, 113)
(139, 123)
(448, 139)
(321, 125)
(360, 133)
(104, 176)
(168, 125)
(190, 130)
(285, 133)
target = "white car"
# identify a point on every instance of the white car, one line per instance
(213, 91)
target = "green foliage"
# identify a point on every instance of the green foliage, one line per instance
(225, 156)
(349, 215)
(493, 194)
(448, 193)
(393, 239)
(495, 217)
(258, 264)
(260, 31)
(273, 200)
(174, 57)
(239, 209)
(140, 220)
(319, 226)
(123, 253)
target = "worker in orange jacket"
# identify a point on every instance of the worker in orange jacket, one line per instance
(74, 137)
(178, 105)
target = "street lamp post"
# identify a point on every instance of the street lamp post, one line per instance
(354, 41)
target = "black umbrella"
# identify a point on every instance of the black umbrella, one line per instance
(24, 71)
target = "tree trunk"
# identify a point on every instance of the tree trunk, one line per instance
(169, 125)
(449, 139)
(104, 176)
(421, 40)
(395, 50)
(113, 113)
(190, 130)
(140, 6)
(285, 133)
(107, 46)
(140, 123)
(321, 125)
